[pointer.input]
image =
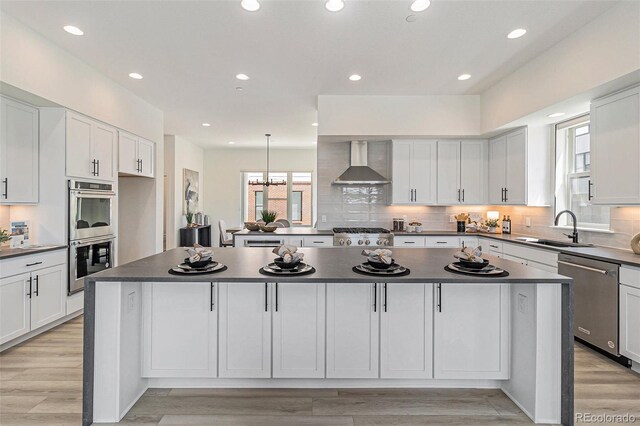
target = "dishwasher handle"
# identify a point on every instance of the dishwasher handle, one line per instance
(588, 268)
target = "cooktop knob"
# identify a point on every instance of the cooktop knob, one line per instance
(367, 242)
(360, 242)
(341, 241)
(380, 243)
(349, 242)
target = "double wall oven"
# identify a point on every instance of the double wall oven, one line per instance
(91, 230)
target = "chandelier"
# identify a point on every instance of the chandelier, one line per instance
(268, 181)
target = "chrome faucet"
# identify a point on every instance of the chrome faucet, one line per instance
(574, 235)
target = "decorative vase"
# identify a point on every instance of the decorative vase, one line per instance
(635, 243)
(492, 229)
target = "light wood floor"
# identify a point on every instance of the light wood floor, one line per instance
(41, 384)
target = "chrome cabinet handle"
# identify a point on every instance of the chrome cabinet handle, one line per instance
(266, 297)
(37, 286)
(385, 297)
(590, 195)
(5, 182)
(463, 195)
(587, 268)
(141, 165)
(375, 297)
(33, 264)
(211, 294)
(276, 297)
(439, 297)
(30, 289)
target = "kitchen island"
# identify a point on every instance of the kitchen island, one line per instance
(334, 328)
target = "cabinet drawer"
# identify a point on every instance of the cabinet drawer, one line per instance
(491, 245)
(28, 263)
(630, 276)
(409, 241)
(545, 257)
(443, 242)
(317, 241)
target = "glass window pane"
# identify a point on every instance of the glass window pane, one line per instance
(301, 191)
(277, 195)
(582, 144)
(296, 206)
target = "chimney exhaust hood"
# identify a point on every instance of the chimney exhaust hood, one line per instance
(359, 173)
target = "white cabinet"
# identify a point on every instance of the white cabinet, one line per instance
(442, 242)
(19, 140)
(471, 331)
(135, 155)
(406, 326)
(352, 330)
(414, 172)
(90, 148)
(462, 174)
(244, 339)
(49, 293)
(317, 241)
(32, 293)
(508, 168)
(298, 330)
(630, 322)
(615, 148)
(15, 307)
(409, 241)
(180, 329)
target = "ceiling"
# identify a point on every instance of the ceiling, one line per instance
(190, 51)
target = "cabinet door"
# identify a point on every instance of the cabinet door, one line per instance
(245, 330)
(352, 330)
(497, 169)
(18, 152)
(473, 163)
(104, 151)
(49, 300)
(15, 307)
(471, 331)
(424, 170)
(516, 180)
(401, 181)
(406, 331)
(146, 151)
(449, 190)
(615, 148)
(79, 154)
(298, 330)
(630, 322)
(128, 154)
(179, 329)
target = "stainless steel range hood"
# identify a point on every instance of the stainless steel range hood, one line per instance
(359, 173)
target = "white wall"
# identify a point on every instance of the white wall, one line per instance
(603, 50)
(180, 154)
(223, 178)
(399, 115)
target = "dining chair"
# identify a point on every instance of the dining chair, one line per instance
(225, 239)
(284, 222)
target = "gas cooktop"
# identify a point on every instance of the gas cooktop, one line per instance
(361, 231)
(362, 237)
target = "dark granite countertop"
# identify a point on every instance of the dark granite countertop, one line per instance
(332, 265)
(8, 253)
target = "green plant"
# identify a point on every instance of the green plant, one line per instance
(4, 236)
(268, 216)
(189, 217)
(492, 223)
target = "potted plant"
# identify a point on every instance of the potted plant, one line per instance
(189, 217)
(492, 224)
(268, 216)
(4, 236)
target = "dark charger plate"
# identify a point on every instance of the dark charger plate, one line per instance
(274, 270)
(394, 270)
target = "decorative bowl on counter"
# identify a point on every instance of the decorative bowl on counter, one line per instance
(382, 265)
(280, 263)
(268, 228)
(474, 265)
(252, 226)
(198, 264)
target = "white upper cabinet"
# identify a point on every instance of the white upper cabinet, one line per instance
(136, 155)
(18, 152)
(471, 331)
(91, 148)
(615, 148)
(414, 173)
(462, 174)
(497, 169)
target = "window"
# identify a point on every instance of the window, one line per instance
(573, 175)
(292, 201)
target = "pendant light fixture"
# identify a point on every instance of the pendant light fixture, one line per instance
(268, 181)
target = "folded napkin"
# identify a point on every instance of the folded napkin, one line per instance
(289, 254)
(199, 253)
(470, 254)
(379, 255)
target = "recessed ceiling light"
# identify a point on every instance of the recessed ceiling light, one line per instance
(73, 30)
(206, 124)
(232, 143)
(243, 77)
(420, 5)
(135, 76)
(556, 114)
(314, 124)
(355, 77)
(250, 5)
(334, 5)
(517, 33)
(463, 77)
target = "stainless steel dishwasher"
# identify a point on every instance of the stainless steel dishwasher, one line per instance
(595, 300)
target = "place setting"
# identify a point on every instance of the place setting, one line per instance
(289, 262)
(199, 262)
(380, 262)
(470, 262)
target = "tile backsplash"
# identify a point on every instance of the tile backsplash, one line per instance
(348, 205)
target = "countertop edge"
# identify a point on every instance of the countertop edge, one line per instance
(28, 251)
